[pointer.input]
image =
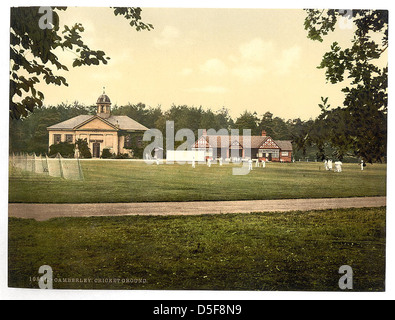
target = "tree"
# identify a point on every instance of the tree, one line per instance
(275, 127)
(223, 119)
(30, 134)
(65, 149)
(33, 58)
(360, 125)
(247, 120)
(83, 148)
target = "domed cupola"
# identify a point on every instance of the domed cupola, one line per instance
(103, 105)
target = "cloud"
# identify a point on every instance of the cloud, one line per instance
(214, 67)
(209, 89)
(258, 57)
(121, 58)
(186, 71)
(253, 59)
(250, 63)
(256, 50)
(287, 60)
(168, 35)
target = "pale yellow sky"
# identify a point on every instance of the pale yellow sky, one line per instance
(242, 59)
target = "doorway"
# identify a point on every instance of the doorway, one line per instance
(96, 150)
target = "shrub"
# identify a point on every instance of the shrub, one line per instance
(122, 156)
(65, 149)
(83, 148)
(106, 154)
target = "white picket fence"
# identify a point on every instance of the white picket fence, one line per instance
(69, 169)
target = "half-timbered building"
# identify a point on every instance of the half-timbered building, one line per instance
(261, 147)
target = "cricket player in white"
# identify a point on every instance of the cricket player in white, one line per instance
(250, 164)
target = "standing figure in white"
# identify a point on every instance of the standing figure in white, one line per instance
(330, 165)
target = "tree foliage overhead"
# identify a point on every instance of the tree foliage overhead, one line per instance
(360, 125)
(33, 57)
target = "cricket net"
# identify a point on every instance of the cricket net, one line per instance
(69, 169)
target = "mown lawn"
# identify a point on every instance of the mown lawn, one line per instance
(125, 181)
(261, 251)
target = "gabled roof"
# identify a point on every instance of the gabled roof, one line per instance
(224, 141)
(284, 145)
(236, 144)
(82, 125)
(126, 123)
(71, 123)
(117, 122)
(269, 144)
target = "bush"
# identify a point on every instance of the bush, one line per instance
(83, 148)
(122, 156)
(138, 153)
(65, 149)
(106, 154)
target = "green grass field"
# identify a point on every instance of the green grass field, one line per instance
(125, 181)
(261, 251)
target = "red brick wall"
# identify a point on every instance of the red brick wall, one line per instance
(287, 158)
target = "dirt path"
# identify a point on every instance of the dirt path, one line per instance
(42, 212)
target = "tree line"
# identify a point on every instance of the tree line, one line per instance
(30, 134)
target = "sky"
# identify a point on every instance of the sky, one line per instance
(259, 60)
(241, 59)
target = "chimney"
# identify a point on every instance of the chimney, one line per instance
(263, 133)
(204, 132)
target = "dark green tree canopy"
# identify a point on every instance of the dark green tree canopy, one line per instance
(32, 53)
(359, 126)
(248, 120)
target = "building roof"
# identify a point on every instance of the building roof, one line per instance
(285, 145)
(121, 122)
(70, 123)
(126, 123)
(103, 99)
(256, 141)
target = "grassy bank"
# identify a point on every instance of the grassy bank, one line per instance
(262, 251)
(120, 181)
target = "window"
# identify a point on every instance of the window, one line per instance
(266, 152)
(275, 153)
(57, 138)
(127, 142)
(69, 138)
(284, 154)
(139, 142)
